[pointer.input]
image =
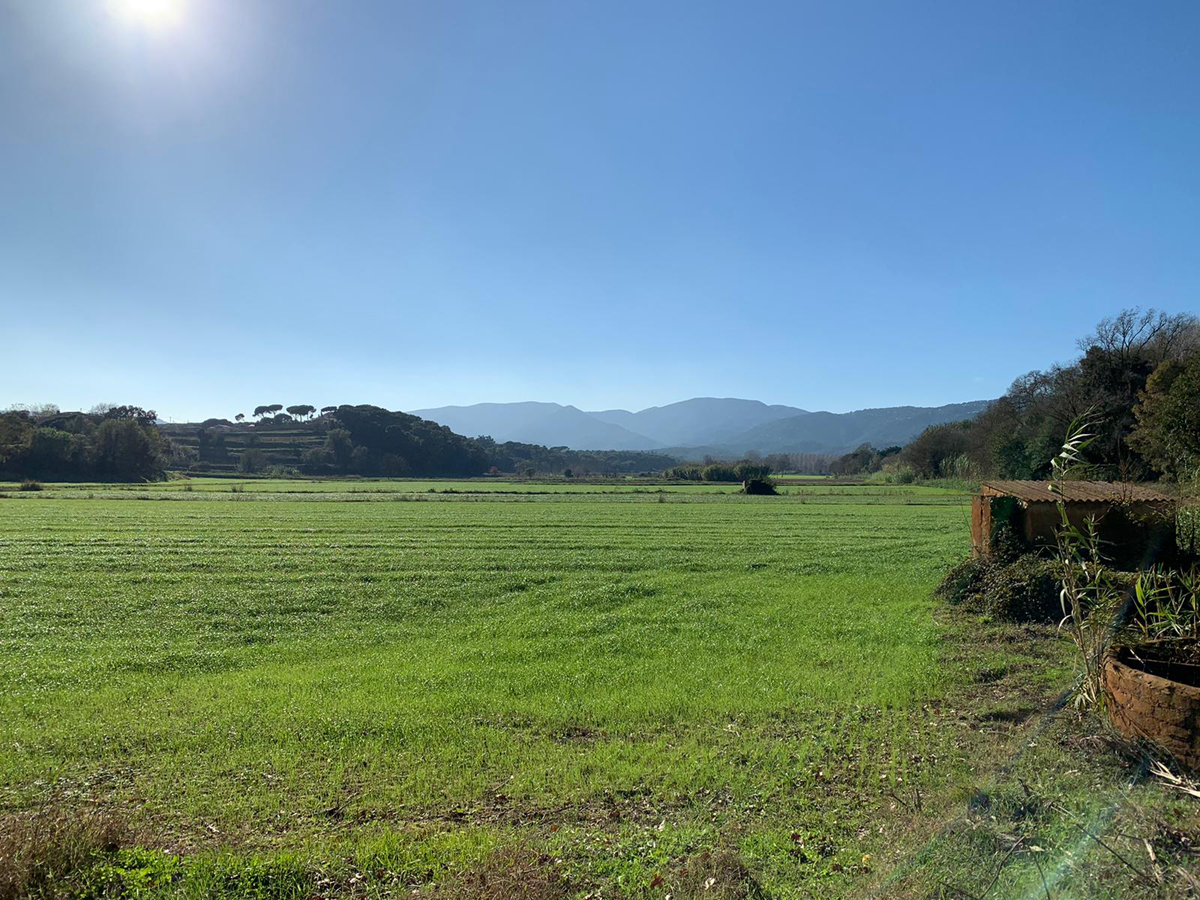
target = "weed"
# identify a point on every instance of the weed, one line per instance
(1089, 596)
(1166, 604)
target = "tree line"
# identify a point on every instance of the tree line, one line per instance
(114, 443)
(745, 470)
(123, 443)
(1136, 381)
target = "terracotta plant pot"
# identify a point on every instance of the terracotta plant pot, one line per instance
(1159, 709)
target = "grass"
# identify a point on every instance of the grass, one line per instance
(487, 489)
(292, 694)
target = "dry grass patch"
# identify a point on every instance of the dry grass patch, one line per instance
(511, 873)
(716, 875)
(42, 852)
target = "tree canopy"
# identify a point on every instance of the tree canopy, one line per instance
(121, 444)
(1126, 383)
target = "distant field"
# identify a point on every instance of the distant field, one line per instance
(817, 489)
(376, 696)
(396, 486)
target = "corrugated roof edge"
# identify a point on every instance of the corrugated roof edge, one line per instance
(1075, 492)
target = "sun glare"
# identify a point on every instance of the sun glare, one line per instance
(150, 13)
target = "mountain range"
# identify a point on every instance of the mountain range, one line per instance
(702, 425)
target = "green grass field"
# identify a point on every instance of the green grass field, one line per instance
(286, 693)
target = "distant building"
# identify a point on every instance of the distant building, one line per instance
(1136, 523)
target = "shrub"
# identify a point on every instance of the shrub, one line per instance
(251, 461)
(961, 582)
(317, 461)
(893, 474)
(30, 485)
(749, 471)
(1024, 589)
(1166, 604)
(762, 486)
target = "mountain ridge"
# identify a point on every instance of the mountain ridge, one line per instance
(698, 420)
(886, 426)
(533, 422)
(727, 425)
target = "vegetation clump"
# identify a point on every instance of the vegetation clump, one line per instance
(717, 874)
(30, 484)
(1021, 588)
(1166, 605)
(759, 486)
(45, 853)
(510, 873)
(119, 443)
(728, 472)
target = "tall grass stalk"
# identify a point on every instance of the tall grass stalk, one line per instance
(1091, 602)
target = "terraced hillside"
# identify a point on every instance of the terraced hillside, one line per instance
(219, 448)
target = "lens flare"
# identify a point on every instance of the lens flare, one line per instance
(148, 13)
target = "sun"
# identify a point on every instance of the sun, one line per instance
(150, 13)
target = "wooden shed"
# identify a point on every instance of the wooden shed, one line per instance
(1136, 523)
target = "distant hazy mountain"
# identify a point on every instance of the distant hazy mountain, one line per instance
(703, 420)
(550, 424)
(702, 425)
(825, 432)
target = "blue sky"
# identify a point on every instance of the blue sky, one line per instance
(833, 205)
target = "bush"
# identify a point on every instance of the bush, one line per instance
(895, 474)
(749, 471)
(278, 471)
(1021, 589)
(761, 486)
(1025, 590)
(317, 461)
(30, 485)
(961, 582)
(251, 461)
